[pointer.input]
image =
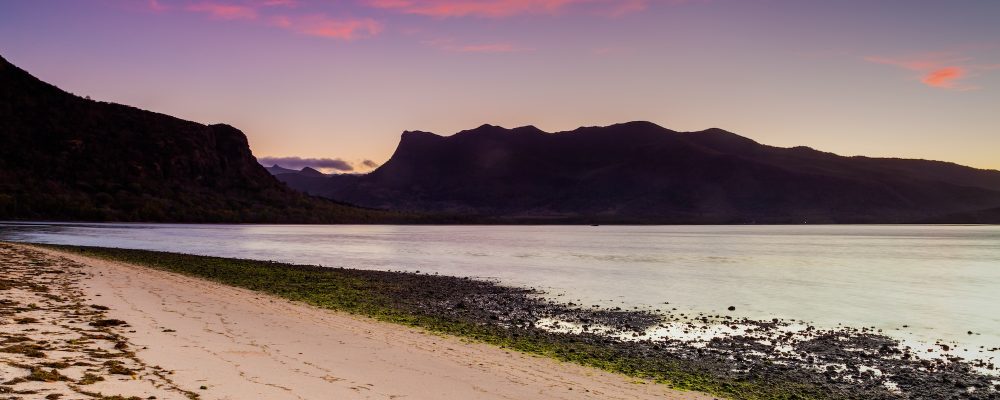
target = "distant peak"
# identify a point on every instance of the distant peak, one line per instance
(716, 130)
(488, 129)
(639, 125)
(721, 133)
(528, 129)
(310, 171)
(483, 129)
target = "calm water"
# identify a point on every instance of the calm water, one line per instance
(942, 281)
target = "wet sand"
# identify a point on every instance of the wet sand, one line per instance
(185, 337)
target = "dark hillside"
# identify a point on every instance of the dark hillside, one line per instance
(639, 172)
(63, 157)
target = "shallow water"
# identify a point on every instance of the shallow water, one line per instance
(940, 281)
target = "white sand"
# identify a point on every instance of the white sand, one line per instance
(42, 309)
(241, 344)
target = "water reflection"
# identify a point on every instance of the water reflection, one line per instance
(941, 281)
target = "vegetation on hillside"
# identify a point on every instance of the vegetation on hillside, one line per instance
(64, 157)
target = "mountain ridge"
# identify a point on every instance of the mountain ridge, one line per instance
(64, 157)
(639, 172)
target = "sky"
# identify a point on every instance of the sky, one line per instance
(333, 83)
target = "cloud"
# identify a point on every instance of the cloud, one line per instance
(224, 11)
(327, 165)
(943, 77)
(299, 163)
(280, 3)
(503, 8)
(156, 6)
(937, 70)
(628, 7)
(266, 12)
(327, 27)
(282, 21)
(452, 45)
(461, 8)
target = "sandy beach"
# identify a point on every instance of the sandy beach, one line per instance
(174, 336)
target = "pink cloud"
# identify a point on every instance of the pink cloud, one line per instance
(936, 70)
(460, 8)
(319, 25)
(451, 45)
(280, 3)
(332, 28)
(224, 11)
(628, 7)
(943, 77)
(502, 8)
(282, 21)
(156, 6)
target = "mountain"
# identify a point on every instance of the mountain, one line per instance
(63, 157)
(639, 172)
(278, 170)
(307, 171)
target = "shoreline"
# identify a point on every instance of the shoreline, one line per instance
(218, 341)
(747, 359)
(596, 224)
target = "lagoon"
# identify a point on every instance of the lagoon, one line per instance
(919, 283)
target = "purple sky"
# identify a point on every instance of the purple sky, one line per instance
(341, 79)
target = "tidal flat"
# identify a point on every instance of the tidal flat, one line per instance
(737, 358)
